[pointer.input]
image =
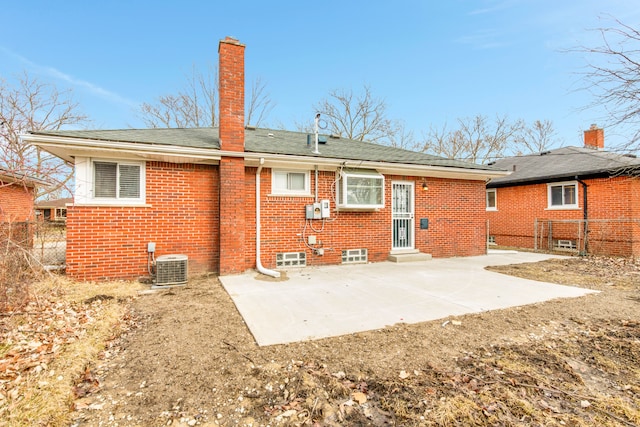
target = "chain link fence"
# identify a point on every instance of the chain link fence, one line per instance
(612, 237)
(44, 241)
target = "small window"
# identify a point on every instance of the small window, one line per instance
(290, 182)
(113, 180)
(360, 189)
(563, 195)
(491, 200)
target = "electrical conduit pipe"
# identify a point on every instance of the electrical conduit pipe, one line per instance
(259, 266)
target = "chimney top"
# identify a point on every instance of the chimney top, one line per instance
(594, 138)
(230, 40)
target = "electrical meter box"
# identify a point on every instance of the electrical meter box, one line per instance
(325, 209)
(318, 210)
(313, 211)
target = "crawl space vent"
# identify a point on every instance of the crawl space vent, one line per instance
(291, 259)
(354, 256)
(171, 270)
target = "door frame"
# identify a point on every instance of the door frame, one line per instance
(412, 215)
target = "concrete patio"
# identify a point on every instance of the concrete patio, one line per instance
(319, 302)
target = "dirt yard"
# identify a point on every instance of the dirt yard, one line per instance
(188, 359)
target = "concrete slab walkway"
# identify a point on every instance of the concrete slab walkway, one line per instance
(319, 302)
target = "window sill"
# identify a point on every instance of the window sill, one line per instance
(112, 205)
(288, 195)
(359, 208)
(492, 209)
(563, 208)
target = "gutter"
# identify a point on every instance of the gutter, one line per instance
(259, 265)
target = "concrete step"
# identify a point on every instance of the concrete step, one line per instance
(409, 257)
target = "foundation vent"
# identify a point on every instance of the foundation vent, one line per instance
(291, 259)
(354, 256)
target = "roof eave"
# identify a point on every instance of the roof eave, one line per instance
(68, 148)
(404, 169)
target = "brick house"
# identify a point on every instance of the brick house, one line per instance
(581, 199)
(17, 195)
(235, 198)
(53, 210)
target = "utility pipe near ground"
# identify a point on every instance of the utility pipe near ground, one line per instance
(259, 266)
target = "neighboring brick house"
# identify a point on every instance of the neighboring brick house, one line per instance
(238, 198)
(17, 195)
(53, 210)
(582, 199)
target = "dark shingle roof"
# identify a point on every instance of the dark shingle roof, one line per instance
(562, 163)
(272, 142)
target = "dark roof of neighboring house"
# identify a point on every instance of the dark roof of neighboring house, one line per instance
(56, 203)
(563, 163)
(10, 176)
(258, 140)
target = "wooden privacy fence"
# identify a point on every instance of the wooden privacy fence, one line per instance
(614, 237)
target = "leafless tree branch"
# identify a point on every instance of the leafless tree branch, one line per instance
(30, 105)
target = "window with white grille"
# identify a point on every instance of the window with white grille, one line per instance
(354, 256)
(290, 182)
(115, 180)
(562, 195)
(291, 259)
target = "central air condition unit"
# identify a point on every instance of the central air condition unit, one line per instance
(171, 270)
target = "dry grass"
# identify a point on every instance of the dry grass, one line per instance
(45, 397)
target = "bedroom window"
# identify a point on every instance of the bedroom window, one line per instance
(360, 189)
(112, 180)
(290, 182)
(563, 195)
(491, 200)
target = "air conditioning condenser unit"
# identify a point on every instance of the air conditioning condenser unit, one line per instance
(171, 270)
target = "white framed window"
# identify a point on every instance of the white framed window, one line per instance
(109, 182)
(360, 189)
(562, 195)
(290, 182)
(492, 199)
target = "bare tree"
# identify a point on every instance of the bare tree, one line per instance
(30, 105)
(613, 78)
(402, 137)
(477, 139)
(196, 105)
(193, 106)
(358, 116)
(535, 138)
(259, 105)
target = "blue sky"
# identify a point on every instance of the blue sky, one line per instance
(431, 61)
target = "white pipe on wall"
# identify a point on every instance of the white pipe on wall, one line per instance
(259, 265)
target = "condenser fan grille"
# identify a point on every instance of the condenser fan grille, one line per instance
(171, 270)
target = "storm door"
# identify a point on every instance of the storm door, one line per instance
(402, 215)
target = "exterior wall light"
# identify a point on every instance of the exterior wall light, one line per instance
(425, 187)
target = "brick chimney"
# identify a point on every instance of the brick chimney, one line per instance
(594, 138)
(231, 94)
(233, 244)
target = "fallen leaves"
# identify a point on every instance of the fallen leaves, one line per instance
(34, 336)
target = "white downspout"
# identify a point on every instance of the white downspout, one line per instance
(259, 265)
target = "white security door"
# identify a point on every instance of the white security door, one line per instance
(402, 215)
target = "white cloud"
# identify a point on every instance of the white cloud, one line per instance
(81, 84)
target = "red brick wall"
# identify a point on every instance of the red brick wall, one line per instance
(231, 74)
(181, 217)
(455, 210)
(614, 199)
(16, 202)
(232, 216)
